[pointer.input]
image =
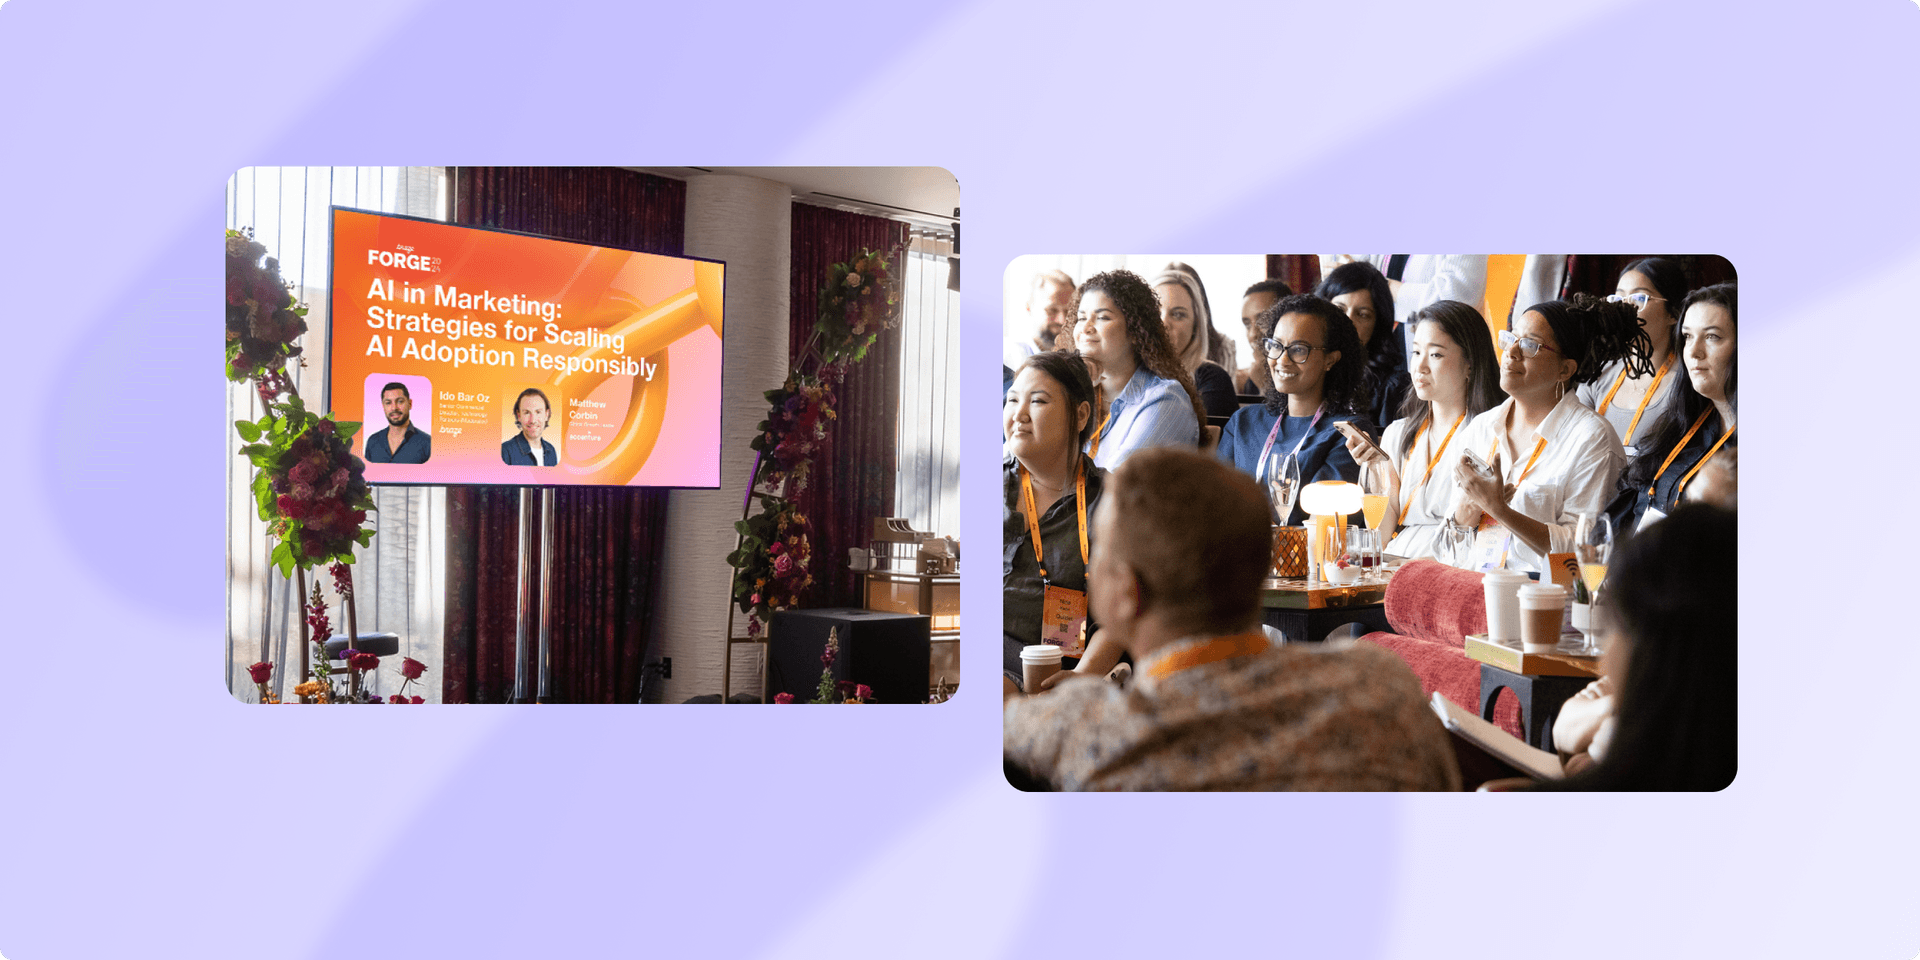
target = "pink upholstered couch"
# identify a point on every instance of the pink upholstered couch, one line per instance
(1432, 608)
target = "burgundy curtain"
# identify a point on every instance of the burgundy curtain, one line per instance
(853, 474)
(1301, 271)
(1599, 274)
(607, 540)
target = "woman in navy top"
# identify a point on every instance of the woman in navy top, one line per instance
(1317, 363)
(531, 409)
(1699, 425)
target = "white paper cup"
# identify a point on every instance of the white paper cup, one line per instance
(1037, 663)
(1503, 604)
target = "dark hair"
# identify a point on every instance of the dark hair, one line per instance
(1464, 326)
(532, 392)
(1673, 422)
(1345, 388)
(1383, 360)
(1146, 335)
(1071, 374)
(1668, 279)
(1672, 591)
(1594, 333)
(1195, 531)
(1273, 285)
(396, 385)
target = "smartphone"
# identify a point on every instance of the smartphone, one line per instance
(1478, 465)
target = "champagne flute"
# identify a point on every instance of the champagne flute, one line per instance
(1592, 546)
(1283, 485)
(1373, 504)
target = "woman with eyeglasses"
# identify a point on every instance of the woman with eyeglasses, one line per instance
(1184, 312)
(1631, 396)
(1455, 377)
(1548, 457)
(1143, 397)
(1362, 293)
(1317, 363)
(1697, 429)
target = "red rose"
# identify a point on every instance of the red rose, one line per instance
(412, 669)
(419, 700)
(305, 472)
(324, 427)
(260, 672)
(363, 661)
(863, 691)
(783, 698)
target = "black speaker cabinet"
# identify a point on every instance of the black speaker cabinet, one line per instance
(890, 652)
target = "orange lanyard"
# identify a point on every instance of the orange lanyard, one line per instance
(1538, 446)
(1212, 651)
(1651, 388)
(1033, 514)
(1682, 445)
(1407, 503)
(1097, 396)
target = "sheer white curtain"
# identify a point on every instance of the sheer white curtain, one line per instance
(400, 576)
(927, 483)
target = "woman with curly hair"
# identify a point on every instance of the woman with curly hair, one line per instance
(1363, 294)
(1551, 459)
(1189, 322)
(1319, 377)
(1699, 423)
(1143, 397)
(1633, 398)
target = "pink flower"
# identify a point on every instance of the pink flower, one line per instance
(782, 565)
(863, 691)
(776, 548)
(754, 600)
(783, 698)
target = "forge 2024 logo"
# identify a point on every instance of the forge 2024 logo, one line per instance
(402, 257)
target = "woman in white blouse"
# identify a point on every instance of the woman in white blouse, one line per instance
(1455, 378)
(1551, 458)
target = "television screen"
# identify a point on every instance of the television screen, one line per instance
(484, 356)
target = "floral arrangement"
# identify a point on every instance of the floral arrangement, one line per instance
(772, 561)
(859, 299)
(830, 690)
(308, 486)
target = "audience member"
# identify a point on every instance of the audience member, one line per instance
(1189, 325)
(1361, 292)
(1181, 544)
(1050, 489)
(1697, 427)
(1254, 377)
(1551, 458)
(1455, 377)
(1670, 658)
(1049, 310)
(1143, 397)
(1316, 363)
(1633, 397)
(1419, 279)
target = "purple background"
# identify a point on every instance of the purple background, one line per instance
(147, 813)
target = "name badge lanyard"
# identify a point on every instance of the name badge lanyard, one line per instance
(1538, 446)
(1098, 432)
(1212, 651)
(1407, 502)
(1274, 434)
(1682, 445)
(1652, 388)
(1033, 522)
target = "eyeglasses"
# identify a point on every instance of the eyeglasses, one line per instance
(1637, 299)
(1529, 347)
(1300, 352)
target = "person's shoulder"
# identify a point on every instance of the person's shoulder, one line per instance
(1390, 438)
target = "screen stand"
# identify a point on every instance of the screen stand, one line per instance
(543, 693)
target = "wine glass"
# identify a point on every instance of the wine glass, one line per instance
(1456, 543)
(1373, 504)
(1592, 546)
(1282, 475)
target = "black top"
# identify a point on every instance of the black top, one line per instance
(1020, 575)
(1216, 390)
(1666, 489)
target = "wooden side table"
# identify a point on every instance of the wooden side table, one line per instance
(1542, 682)
(1304, 609)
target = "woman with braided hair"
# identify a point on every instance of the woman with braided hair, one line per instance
(1551, 458)
(1144, 397)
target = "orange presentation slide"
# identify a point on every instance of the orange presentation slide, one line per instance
(480, 356)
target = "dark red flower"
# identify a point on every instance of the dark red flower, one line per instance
(260, 672)
(419, 700)
(412, 669)
(783, 698)
(362, 661)
(863, 691)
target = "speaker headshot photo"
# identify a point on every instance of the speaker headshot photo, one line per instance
(531, 412)
(401, 441)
